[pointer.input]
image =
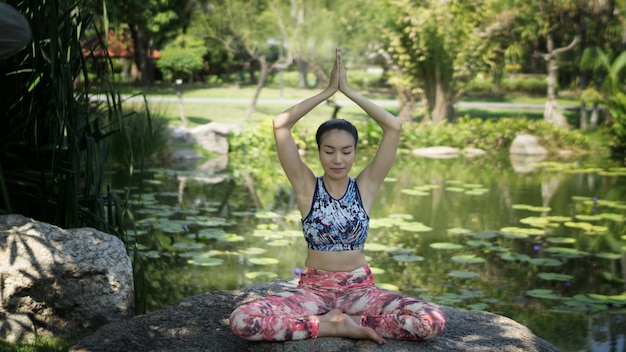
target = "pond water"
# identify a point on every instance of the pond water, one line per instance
(541, 243)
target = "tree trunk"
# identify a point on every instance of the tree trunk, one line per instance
(260, 83)
(552, 112)
(440, 106)
(583, 116)
(408, 103)
(303, 67)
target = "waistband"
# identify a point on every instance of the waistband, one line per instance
(359, 276)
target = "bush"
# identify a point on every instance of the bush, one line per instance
(493, 135)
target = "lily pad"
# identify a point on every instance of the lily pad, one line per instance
(478, 307)
(253, 251)
(512, 257)
(545, 262)
(584, 217)
(565, 252)
(462, 274)
(484, 234)
(205, 261)
(258, 274)
(543, 293)
(279, 243)
(561, 240)
(445, 245)
(415, 192)
(610, 256)
(388, 287)
(263, 261)
(231, 237)
(408, 258)
(415, 227)
(459, 231)
(476, 243)
(468, 259)
(555, 276)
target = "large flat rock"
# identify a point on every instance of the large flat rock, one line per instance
(199, 323)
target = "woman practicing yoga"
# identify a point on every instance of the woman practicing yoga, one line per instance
(336, 295)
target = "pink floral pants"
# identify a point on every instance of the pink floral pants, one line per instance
(282, 316)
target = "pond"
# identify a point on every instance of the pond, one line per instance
(541, 243)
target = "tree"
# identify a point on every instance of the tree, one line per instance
(440, 59)
(551, 24)
(151, 23)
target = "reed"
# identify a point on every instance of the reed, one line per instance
(56, 139)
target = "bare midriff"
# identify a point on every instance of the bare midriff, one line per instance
(335, 261)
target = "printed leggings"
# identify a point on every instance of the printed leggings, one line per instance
(283, 316)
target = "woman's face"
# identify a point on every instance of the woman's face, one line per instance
(337, 152)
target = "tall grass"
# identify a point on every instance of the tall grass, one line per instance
(54, 143)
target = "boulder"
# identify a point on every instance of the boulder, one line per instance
(200, 323)
(60, 282)
(439, 152)
(527, 144)
(212, 136)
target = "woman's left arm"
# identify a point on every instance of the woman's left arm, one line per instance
(375, 172)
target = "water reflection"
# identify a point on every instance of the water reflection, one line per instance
(469, 233)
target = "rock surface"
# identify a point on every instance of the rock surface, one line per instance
(61, 282)
(200, 323)
(526, 144)
(212, 136)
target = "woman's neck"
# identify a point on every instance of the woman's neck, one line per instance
(336, 187)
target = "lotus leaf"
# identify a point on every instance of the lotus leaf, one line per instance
(476, 243)
(478, 306)
(468, 259)
(565, 252)
(445, 245)
(415, 192)
(607, 255)
(545, 262)
(543, 293)
(515, 257)
(459, 231)
(462, 274)
(205, 261)
(388, 287)
(555, 277)
(561, 240)
(415, 227)
(257, 274)
(263, 261)
(408, 258)
(484, 234)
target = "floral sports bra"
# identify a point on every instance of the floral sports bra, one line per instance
(336, 224)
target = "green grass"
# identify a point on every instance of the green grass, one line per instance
(198, 113)
(39, 345)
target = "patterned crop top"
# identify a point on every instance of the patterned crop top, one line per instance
(336, 224)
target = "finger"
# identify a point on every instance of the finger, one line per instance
(338, 55)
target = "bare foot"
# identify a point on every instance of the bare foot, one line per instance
(337, 323)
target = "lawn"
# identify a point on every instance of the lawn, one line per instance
(274, 99)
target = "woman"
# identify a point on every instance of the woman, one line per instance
(336, 295)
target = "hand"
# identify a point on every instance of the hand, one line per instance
(333, 81)
(343, 76)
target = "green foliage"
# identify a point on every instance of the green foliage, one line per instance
(617, 107)
(141, 133)
(179, 63)
(492, 135)
(54, 149)
(39, 345)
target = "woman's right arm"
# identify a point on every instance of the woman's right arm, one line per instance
(298, 173)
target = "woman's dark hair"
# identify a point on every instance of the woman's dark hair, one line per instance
(336, 124)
